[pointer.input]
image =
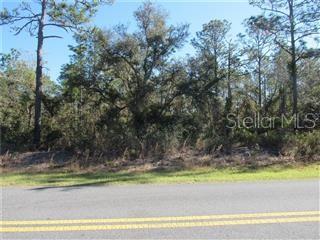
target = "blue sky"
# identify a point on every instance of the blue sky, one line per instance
(196, 13)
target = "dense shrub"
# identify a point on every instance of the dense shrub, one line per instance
(305, 146)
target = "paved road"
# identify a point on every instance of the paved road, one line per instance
(275, 209)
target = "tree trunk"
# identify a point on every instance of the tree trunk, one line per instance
(294, 87)
(228, 107)
(265, 95)
(37, 113)
(282, 106)
(293, 72)
(260, 85)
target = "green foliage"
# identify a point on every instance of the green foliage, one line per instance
(305, 145)
(132, 78)
(17, 101)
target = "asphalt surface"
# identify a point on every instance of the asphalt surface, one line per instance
(96, 207)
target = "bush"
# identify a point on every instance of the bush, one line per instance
(273, 139)
(305, 146)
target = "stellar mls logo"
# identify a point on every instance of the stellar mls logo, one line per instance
(299, 121)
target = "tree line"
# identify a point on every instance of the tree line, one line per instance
(127, 93)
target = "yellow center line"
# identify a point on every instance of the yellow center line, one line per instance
(158, 219)
(158, 225)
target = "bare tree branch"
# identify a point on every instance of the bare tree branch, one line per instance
(52, 36)
(24, 26)
(64, 27)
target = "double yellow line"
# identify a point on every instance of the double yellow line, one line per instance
(158, 222)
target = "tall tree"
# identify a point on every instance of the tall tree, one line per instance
(257, 46)
(41, 16)
(134, 73)
(209, 69)
(291, 22)
(211, 43)
(233, 65)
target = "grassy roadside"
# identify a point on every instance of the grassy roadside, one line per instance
(161, 177)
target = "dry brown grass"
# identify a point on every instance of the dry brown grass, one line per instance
(174, 161)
